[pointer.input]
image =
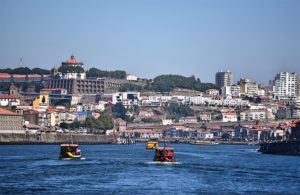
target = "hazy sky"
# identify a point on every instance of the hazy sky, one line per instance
(254, 38)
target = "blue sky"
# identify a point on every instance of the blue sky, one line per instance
(254, 38)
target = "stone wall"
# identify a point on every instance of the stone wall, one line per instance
(48, 138)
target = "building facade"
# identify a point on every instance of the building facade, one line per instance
(224, 78)
(10, 122)
(286, 86)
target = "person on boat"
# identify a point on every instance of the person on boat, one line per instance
(169, 155)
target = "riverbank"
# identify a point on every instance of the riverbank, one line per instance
(188, 141)
(49, 138)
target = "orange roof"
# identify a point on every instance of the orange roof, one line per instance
(6, 112)
(19, 76)
(4, 75)
(52, 110)
(6, 96)
(72, 60)
(34, 76)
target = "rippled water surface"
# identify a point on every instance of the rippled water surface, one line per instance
(128, 169)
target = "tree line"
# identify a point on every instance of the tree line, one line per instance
(25, 70)
(95, 72)
(167, 83)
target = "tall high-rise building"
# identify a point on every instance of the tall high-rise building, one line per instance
(286, 86)
(224, 78)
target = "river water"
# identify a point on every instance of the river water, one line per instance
(128, 169)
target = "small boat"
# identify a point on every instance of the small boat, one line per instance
(151, 145)
(69, 152)
(164, 154)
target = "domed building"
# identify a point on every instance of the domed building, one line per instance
(72, 77)
(72, 62)
(72, 69)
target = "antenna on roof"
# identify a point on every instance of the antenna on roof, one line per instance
(21, 62)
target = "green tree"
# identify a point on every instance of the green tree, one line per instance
(167, 83)
(119, 111)
(130, 87)
(176, 110)
(70, 69)
(95, 72)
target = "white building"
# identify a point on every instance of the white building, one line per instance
(251, 88)
(188, 120)
(212, 92)
(131, 77)
(12, 100)
(233, 90)
(128, 99)
(252, 115)
(286, 86)
(229, 116)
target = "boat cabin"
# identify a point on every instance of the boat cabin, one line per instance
(164, 154)
(69, 151)
(151, 145)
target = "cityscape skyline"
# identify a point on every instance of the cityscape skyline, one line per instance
(252, 39)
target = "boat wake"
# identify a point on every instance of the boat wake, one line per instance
(163, 163)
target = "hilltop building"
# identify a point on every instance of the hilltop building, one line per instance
(71, 77)
(224, 79)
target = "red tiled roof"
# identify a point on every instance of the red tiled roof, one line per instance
(34, 76)
(6, 96)
(4, 75)
(6, 112)
(19, 76)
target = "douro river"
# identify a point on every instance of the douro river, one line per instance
(128, 169)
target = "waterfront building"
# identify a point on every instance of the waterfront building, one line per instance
(253, 115)
(11, 122)
(286, 86)
(46, 119)
(224, 78)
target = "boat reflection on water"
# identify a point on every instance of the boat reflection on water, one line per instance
(70, 152)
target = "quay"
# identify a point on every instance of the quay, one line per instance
(54, 138)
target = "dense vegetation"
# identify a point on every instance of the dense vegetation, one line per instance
(176, 110)
(130, 87)
(104, 122)
(167, 83)
(24, 70)
(71, 69)
(95, 72)
(119, 111)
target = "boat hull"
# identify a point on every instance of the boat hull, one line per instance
(281, 148)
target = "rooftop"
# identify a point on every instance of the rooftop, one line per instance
(7, 112)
